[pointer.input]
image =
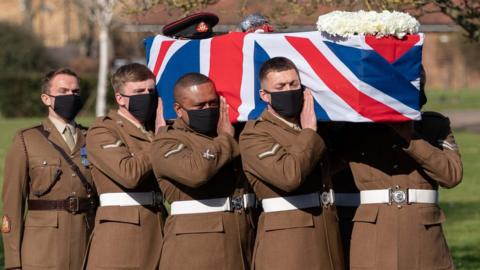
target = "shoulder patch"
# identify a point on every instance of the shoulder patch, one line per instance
(270, 152)
(444, 144)
(174, 150)
(118, 143)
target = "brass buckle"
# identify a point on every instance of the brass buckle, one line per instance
(73, 204)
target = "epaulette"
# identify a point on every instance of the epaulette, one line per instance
(21, 131)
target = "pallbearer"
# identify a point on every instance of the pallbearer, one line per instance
(284, 160)
(197, 163)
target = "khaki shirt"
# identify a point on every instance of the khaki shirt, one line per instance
(192, 166)
(124, 236)
(43, 239)
(280, 161)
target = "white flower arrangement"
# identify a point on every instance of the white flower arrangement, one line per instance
(385, 23)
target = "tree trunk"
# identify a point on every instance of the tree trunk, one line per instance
(103, 69)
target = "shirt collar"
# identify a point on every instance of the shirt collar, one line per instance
(60, 125)
(288, 123)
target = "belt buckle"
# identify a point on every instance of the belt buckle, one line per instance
(157, 199)
(236, 203)
(397, 195)
(327, 198)
(73, 204)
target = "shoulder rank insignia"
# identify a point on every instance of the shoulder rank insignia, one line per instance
(113, 145)
(174, 151)
(6, 227)
(208, 155)
(270, 152)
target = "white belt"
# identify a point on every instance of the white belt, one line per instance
(347, 199)
(224, 204)
(398, 196)
(298, 201)
(130, 198)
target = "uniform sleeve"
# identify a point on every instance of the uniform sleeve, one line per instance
(109, 154)
(175, 159)
(14, 195)
(441, 162)
(283, 166)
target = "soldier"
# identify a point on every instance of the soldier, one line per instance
(128, 230)
(398, 169)
(47, 174)
(198, 167)
(195, 26)
(283, 157)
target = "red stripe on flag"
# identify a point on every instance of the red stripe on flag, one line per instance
(161, 55)
(392, 48)
(360, 102)
(226, 69)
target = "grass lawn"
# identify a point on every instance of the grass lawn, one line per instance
(461, 204)
(440, 100)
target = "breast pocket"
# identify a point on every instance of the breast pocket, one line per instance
(364, 237)
(39, 246)
(434, 249)
(44, 173)
(116, 238)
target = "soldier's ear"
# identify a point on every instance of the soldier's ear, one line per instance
(265, 96)
(178, 109)
(47, 100)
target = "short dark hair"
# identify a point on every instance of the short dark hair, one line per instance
(130, 73)
(276, 64)
(188, 80)
(47, 78)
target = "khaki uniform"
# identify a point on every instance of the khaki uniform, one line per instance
(404, 236)
(35, 170)
(191, 166)
(281, 160)
(125, 237)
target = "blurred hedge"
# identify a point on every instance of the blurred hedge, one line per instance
(20, 95)
(21, 50)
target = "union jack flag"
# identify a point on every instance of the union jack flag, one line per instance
(356, 79)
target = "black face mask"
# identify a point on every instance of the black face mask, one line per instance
(143, 107)
(67, 106)
(287, 104)
(204, 121)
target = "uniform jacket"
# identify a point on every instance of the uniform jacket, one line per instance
(125, 237)
(282, 161)
(43, 239)
(191, 166)
(402, 236)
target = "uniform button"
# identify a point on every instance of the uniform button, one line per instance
(44, 163)
(395, 166)
(363, 153)
(132, 154)
(74, 174)
(394, 146)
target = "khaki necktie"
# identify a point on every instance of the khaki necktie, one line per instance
(69, 138)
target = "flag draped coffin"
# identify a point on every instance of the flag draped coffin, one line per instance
(355, 79)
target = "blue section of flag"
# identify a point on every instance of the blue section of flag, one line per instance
(374, 70)
(409, 63)
(176, 68)
(260, 57)
(148, 46)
